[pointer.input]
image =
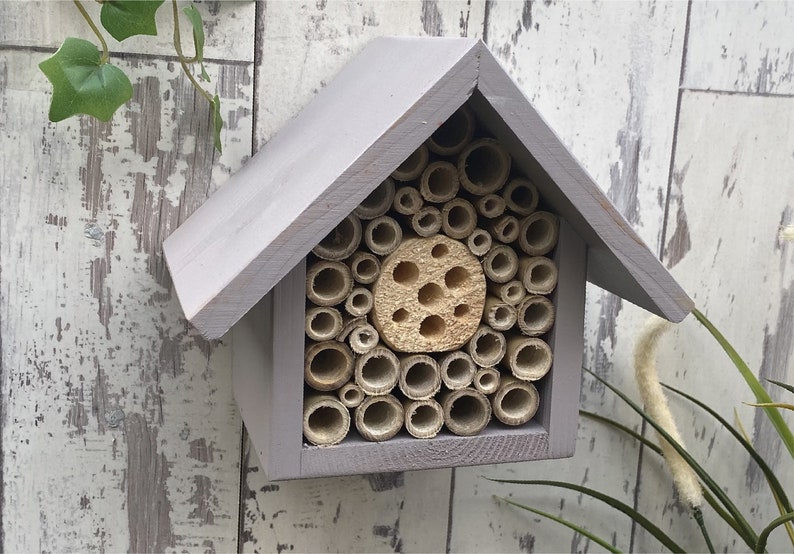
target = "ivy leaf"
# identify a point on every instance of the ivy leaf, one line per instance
(82, 83)
(217, 123)
(127, 18)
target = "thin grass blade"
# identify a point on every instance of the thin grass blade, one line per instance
(786, 386)
(764, 536)
(782, 405)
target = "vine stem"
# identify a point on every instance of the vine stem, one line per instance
(105, 52)
(182, 60)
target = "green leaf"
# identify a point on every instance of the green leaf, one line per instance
(81, 84)
(786, 386)
(127, 18)
(781, 405)
(217, 122)
(198, 37)
(764, 536)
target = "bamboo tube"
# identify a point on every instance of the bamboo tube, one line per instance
(479, 242)
(364, 267)
(363, 338)
(466, 411)
(413, 165)
(426, 222)
(521, 196)
(379, 418)
(500, 315)
(348, 324)
(378, 202)
(407, 201)
(458, 218)
(439, 182)
(326, 420)
(529, 358)
(483, 166)
(539, 233)
(420, 377)
(512, 292)
(504, 228)
(327, 365)
(500, 263)
(328, 283)
(377, 371)
(350, 395)
(538, 274)
(342, 241)
(454, 134)
(516, 401)
(535, 315)
(323, 323)
(359, 301)
(383, 235)
(490, 206)
(487, 347)
(487, 380)
(457, 370)
(423, 418)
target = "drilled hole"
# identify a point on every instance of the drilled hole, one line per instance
(430, 294)
(439, 251)
(432, 327)
(456, 277)
(400, 316)
(405, 273)
(461, 310)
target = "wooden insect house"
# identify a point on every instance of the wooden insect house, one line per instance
(404, 266)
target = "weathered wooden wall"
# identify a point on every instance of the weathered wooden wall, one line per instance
(119, 431)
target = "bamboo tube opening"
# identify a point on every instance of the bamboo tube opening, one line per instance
(377, 371)
(458, 218)
(512, 292)
(466, 411)
(328, 283)
(521, 196)
(379, 418)
(491, 206)
(457, 370)
(350, 395)
(426, 222)
(363, 338)
(538, 274)
(535, 315)
(327, 365)
(504, 228)
(487, 347)
(487, 380)
(454, 134)
(439, 182)
(500, 315)
(479, 242)
(420, 378)
(342, 241)
(359, 301)
(378, 202)
(423, 418)
(413, 165)
(383, 235)
(483, 166)
(529, 358)
(500, 264)
(326, 420)
(323, 323)
(539, 233)
(516, 402)
(407, 201)
(364, 267)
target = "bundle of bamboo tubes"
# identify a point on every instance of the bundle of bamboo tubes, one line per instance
(428, 306)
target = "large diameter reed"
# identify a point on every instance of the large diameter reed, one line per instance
(377, 371)
(342, 241)
(483, 166)
(487, 380)
(457, 370)
(407, 201)
(423, 418)
(458, 218)
(529, 358)
(521, 196)
(326, 420)
(378, 202)
(538, 274)
(439, 182)
(413, 165)
(420, 378)
(500, 263)
(538, 233)
(379, 418)
(327, 365)
(323, 323)
(487, 347)
(364, 267)
(499, 315)
(454, 134)
(516, 401)
(535, 315)
(350, 395)
(466, 411)
(383, 235)
(328, 283)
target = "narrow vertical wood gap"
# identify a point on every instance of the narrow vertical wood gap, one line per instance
(449, 509)
(486, 20)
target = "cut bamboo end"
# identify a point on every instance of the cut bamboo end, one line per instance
(342, 241)
(457, 370)
(538, 274)
(327, 365)
(487, 347)
(479, 242)
(458, 218)
(350, 395)
(363, 338)
(490, 206)
(364, 267)
(377, 371)
(521, 196)
(499, 315)
(420, 378)
(379, 418)
(504, 228)
(535, 315)
(429, 296)
(383, 235)
(439, 182)
(539, 233)
(326, 420)
(466, 411)
(328, 283)
(378, 202)
(407, 201)
(426, 222)
(423, 418)
(512, 292)
(487, 380)
(500, 263)
(529, 358)
(323, 323)
(413, 165)
(483, 166)
(454, 134)
(359, 302)
(516, 401)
